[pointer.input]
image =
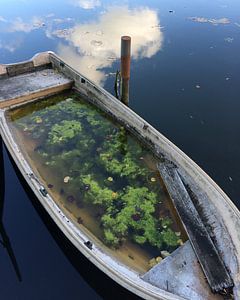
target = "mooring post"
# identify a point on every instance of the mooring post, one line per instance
(125, 68)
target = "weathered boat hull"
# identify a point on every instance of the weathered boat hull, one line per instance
(222, 216)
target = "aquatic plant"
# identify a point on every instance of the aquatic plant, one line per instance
(124, 165)
(170, 238)
(102, 164)
(138, 204)
(96, 194)
(64, 131)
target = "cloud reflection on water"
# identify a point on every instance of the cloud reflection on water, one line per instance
(12, 45)
(19, 25)
(93, 46)
(96, 45)
(86, 4)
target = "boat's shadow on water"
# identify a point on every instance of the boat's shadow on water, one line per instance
(4, 238)
(102, 284)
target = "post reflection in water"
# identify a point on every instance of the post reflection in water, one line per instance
(5, 241)
(94, 46)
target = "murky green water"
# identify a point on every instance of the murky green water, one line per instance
(99, 173)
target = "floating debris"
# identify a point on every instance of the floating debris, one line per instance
(39, 120)
(96, 43)
(197, 86)
(136, 217)
(164, 253)
(87, 187)
(152, 262)
(80, 220)
(171, 11)
(50, 186)
(222, 21)
(230, 178)
(70, 199)
(227, 78)
(112, 58)
(158, 259)
(63, 33)
(153, 179)
(39, 24)
(110, 74)
(66, 179)
(229, 39)
(110, 179)
(114, 195)
(180, 242)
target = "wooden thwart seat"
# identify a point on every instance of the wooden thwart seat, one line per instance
(27, 86)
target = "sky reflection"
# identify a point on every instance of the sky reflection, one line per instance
(93, 45)
(96, 45)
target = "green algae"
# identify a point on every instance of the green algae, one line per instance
(63, 132)
(105, 169)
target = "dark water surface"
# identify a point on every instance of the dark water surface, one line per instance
(185, 82)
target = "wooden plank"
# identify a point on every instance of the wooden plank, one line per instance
(34, 95)
(17, 69)
(206, 252)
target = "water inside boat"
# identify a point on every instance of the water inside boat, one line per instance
(100, 175)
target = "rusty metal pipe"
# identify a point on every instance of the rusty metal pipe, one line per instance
(125, 68)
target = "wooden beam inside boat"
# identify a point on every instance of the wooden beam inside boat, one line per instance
(36, 95)
(208, 256)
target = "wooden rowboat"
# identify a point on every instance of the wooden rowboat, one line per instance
(132, 202)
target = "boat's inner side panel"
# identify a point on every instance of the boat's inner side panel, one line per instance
(101, 177)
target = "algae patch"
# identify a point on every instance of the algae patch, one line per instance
(98, 165)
